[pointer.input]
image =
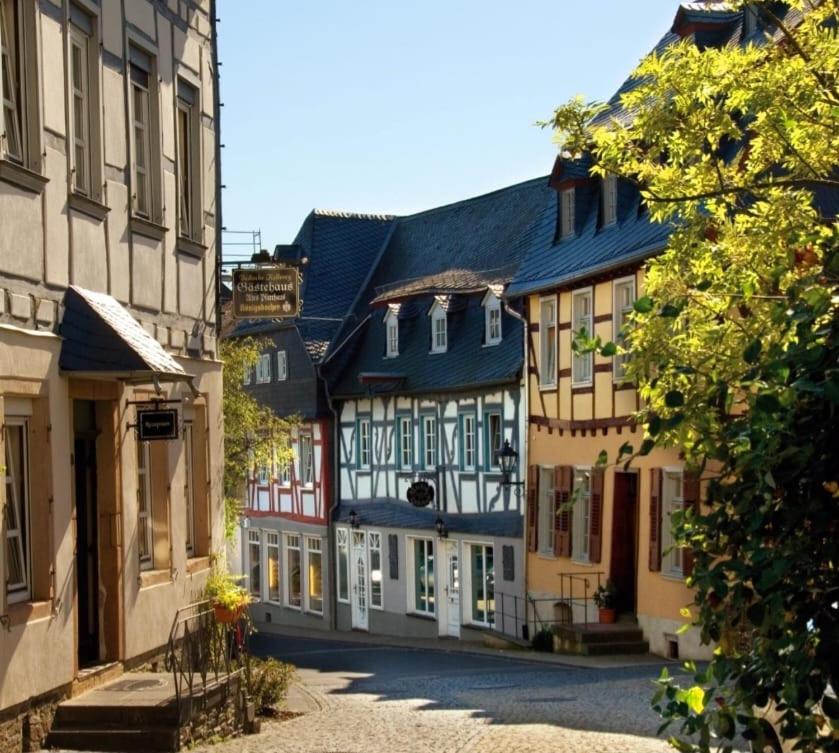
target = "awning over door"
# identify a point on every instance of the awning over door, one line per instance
(102, 339)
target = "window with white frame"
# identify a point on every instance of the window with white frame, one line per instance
(492, 320)
(342, 563)
(144, 507)
(263, 369)
(18, 553)
(263, 473)
(406, 442)
(11, 69)
(284, 462)
(672, 495)
(581, 520)
(429, 449)
(141, 70)
(189, 489)
(582, 363)
(609, 200)
(80, 43)
(423, 576)
(307, 460)
(482, 582)
(282, 365)
(374, 543)
(272, 566)
(439, 333)
(567, 212)
(468, 448)
(364, 443)
(392, 331)
(624, 291)
(314, 575)
(493, 437)
(255, 563)
(547, 334)
(294, 585)
(247, 376)
(187, 114)
(547, 511)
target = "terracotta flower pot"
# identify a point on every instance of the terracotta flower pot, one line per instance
(608, 616)
(225, 615)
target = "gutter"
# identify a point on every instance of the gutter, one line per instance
(217, 118)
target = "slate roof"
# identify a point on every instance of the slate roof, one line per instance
(99, 334)
(388, 512)
(458, 250)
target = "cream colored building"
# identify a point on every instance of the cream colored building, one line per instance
(108, 230)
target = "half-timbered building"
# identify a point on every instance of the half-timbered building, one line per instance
(428, 541)
(284, 545)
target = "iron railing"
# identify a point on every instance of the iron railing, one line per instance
(573, 605)
(203, 653)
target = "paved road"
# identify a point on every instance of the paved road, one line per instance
(371, 699)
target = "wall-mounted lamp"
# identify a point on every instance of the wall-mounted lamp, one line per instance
(355, 519)
(440, 525)
(507, 459)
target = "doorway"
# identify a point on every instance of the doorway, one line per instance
(358, 580)
(452, 589)
(87, 530)
(624, 559)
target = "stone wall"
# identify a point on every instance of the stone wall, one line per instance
(222, 713)
(26, 728)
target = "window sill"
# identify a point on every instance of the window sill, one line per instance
(28, 611)
(673, 576)
(292, 607)
(148, 229)
(22, 177)
(190, 247)
(197, 564)
(149, 578)
(314, 613)
(437, 352)
(88, 206)
(582, 563)
(546, 387)
(422, 616)
(492, 344)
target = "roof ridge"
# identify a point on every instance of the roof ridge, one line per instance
(341, 214)
(471, 199)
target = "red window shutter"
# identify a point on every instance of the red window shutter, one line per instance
(532, 508)
(690, 495)
(595, 538)
(655, 519)
(563, 485)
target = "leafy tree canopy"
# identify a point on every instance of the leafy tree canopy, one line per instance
(735, 350)
(253, 433)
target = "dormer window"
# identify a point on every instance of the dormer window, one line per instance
(391, 334)
(439, 333)
(610, 200)
(492, 318)
(566, 208)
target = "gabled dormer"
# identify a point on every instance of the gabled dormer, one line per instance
(492, 316)
(438, 316)
(573, 183)
(391, 322)
(608, 200)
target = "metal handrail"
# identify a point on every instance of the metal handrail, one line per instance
(570, 599)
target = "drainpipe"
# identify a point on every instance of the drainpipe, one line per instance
(217, 118)
(336, 496)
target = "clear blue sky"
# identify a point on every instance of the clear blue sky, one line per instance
(400, 105)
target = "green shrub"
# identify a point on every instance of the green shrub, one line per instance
(269, 681)
(543, 640)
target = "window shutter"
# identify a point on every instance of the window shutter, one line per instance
(563, 485)
(393, 555)
(508, 562)
(690, 495)
(595, 539)
(655, 519)
(532, 508)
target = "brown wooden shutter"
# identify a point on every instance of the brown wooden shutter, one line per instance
(532, 508)
(655, 519)
(595, 539)
(563, 486)
(690, 496)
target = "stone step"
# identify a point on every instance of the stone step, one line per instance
(583, 635)
(91, 739)
(92, 677)
(617, 647)
(72, 715)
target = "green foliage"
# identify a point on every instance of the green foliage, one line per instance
(269, 682)
(224, 589)
(252, 431)
(543, 640)
(735, 351)
(605, 596)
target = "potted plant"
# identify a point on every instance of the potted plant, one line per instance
(225, 593)
(605, 597)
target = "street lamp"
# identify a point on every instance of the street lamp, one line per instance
(440, 525)
(355, 519)
(507, 459)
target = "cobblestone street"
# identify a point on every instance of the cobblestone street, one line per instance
(366, 699)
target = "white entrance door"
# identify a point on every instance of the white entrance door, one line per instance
(358, 580)
(452, 589)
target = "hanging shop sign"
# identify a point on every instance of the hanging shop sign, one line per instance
(157, 423)
(420, 494)
(266, 293)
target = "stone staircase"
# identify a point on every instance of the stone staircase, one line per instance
(600, 640)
